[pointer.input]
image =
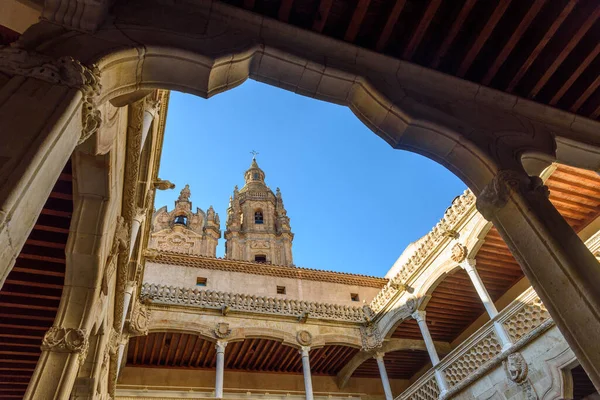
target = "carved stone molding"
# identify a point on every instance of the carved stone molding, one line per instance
(304, 338)
(139, 320)
(64, 71)
(516, 367)
(222, 330)
(66, 340)
(495, 194)
(459, 253)
(370, 337)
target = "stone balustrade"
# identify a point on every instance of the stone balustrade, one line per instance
(171, 295)
(452, 217)
(524, 319)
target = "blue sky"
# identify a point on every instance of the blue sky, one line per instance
(353, 201)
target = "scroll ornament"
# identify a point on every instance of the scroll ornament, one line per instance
(66, 340)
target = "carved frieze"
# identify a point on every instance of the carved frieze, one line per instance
(304, 338)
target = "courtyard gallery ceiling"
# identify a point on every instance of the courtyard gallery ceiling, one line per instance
(31, 294)
(544, 50)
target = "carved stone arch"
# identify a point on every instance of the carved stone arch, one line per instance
(191, 328)
(339, 340)
(558, 368)
(286, 338)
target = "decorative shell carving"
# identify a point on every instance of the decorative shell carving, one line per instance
(304, 338)
(459, 253)
(222, 330)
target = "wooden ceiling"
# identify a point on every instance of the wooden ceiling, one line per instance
(398, 364)
(31, 294)
(182, 350)
(455, 305)
(545, 50)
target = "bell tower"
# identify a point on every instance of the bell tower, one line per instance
(258, 228)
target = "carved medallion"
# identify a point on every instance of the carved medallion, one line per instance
(370, 337)
(459, 253)
(304, 338)
(66, 340)
(140, 320)
(222, 330)
(516, 368)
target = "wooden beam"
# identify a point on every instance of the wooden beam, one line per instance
(514, 39)
(321, 15)
(591, 19)
(357, 18)
(454, 29)
(588, 92)
(285, 9)
(389, 25)
(542, 44)
(418, 34)
(43, 243)
(47, 228)
(483, 37)
(596, 113)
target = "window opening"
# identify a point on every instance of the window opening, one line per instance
(280, 289)
(354, 296)
(258, 217)
(261, 258)
(200, 281)
(180, 220)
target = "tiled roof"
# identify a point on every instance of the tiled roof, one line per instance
(165, 257)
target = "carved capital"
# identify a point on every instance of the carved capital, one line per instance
(304, 351)
(222, 330)
(378, 355)
(418, 315)
(152, 106)
(304, 338)
(495, 194)
(370, 337)
(66, 340)
(220, 346)
(459, 253)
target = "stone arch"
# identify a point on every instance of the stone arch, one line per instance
(192, 328)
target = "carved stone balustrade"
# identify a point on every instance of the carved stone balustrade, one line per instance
(525, 319)
(171, 295)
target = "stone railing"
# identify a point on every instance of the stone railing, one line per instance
(524, 320)
(170, 295)
(453, 215)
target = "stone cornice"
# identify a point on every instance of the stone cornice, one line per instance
(282, 271)
(227, 302)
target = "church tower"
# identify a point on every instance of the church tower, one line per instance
(258, 228)
(183, 231)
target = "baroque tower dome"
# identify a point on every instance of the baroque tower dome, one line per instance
(258, 228)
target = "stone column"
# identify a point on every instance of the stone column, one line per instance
(220, 346)
(384, 377)
(42, 121)
(469, 266)
(419, 316)
(561, 269)
(151, 108)
(136, 223)
(304, 350)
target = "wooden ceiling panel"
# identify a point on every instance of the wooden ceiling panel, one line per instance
(182, 350)
(398, 364)
(31, 294)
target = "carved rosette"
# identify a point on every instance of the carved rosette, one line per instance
(304, 338)
(66, 340)
(370, 337)
(222, 330)
(459, 253)
(140, 320)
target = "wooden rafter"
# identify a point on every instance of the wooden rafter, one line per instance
(483, 37)
(588, 92)
(389, 25)
(322, 15)
(357, 18)
(513, 40)
(584, 64)
(418, 34)
(456, 25)
(591, 19)
(285, 9)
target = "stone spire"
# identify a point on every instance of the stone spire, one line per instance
(258, 228)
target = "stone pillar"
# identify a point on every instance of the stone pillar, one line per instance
(136, 223)
(419, 316)
(304, 350)
(220, 346)
(469, 266)
(151, 108)
(42, 121)
(561, 269)
(384, 377)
